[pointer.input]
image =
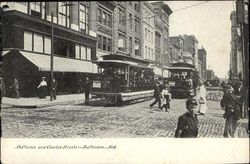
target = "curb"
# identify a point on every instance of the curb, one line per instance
(42, 105)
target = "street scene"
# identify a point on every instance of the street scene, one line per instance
(124, 69)
(96, 120)
(77, 77)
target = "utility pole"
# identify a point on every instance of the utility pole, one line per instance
(52, 57)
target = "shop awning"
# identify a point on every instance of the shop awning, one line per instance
(60, 64)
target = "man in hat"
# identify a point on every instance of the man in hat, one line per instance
(230, 104)
(157, 95)
(187, 126)
(87, 89)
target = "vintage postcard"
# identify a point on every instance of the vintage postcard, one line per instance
(124, 82)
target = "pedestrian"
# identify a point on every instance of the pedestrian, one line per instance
(187, 126)
(15, 88)
(54, 87)
(42, 87)
(87, 89)
(166, 95)
(157, 95)
(230, 104)
(2, 88)
(202, 99)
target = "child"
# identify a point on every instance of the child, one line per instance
(166, 97)
(187, 126)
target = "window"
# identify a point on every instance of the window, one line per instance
(130, 21)
(38, 43)
(99, 14)
(83, 18)
(152, 37)
(130, 45)
(137, 48)
(77, 51)
(121, 42)
(104, 43)
(88, 53)
(83, 53)
(62, 13)
(122, 17)
(146, 32)
(149, 35)
(137, 6)
(35, 9)
(109, 44)
(28, 41)
(152, 54)
(137, 25)
(146, 52)
(47, 45)
(149, 57)
(104, 17)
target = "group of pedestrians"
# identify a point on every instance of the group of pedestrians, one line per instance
(232, 104)
(162, 91)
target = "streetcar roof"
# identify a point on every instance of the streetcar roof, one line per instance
(111, 61)
(128, 63)
(181, 68)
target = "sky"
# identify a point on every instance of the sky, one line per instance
(211, 25)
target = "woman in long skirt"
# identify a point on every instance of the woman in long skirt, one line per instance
(202, 99)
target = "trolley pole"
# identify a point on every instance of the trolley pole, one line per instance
(51, 57)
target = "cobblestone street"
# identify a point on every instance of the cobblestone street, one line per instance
(134, 120)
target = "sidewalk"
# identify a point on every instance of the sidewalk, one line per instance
(35, 102)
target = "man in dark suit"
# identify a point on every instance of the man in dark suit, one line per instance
(157, 95)
(15, 87)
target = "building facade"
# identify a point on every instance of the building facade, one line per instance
(162, 42)
(191, 46)
(202, 56)
(28, 43)
(148, 31)
(176, 49)
(236, 67)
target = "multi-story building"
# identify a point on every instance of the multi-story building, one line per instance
(127, 29)
(210, 74)
(236, 67)
(29, 39)
(104, 24)
(176, 49)
(202, 56)
(161, 20)
(148, 31)
(191, 46)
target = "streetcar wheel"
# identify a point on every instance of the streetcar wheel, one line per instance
(111, 100)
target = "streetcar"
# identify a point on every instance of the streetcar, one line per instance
(122, 79)
(183, 80)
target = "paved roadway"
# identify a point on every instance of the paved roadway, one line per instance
(134, 120)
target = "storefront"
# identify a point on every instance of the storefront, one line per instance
(29, 67)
